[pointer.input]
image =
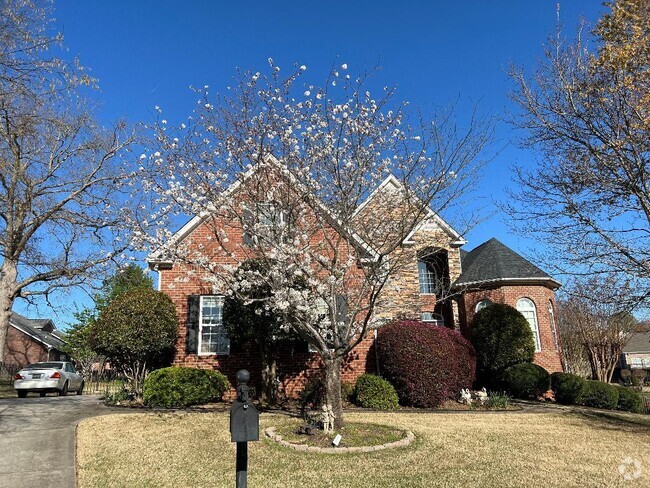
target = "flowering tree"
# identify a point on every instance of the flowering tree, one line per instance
(60, 173)
(285, 164)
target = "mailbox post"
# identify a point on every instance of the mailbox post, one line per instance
(244, 425)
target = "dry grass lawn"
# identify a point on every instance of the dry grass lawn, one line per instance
(488, 450)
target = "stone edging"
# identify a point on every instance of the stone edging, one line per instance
(270, 433)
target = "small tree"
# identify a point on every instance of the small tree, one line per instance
(78, 337)
(595, 319)
(250, 321)
(137, 332)
(502, 338)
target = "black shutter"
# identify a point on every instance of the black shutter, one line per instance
(193, 312)
(248, 222)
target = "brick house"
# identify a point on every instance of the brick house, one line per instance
(439, 283)
(30, 341)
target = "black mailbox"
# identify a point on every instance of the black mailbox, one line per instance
(244, 417)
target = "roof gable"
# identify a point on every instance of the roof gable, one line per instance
(160, 255)
(393, 185)
(493, 261)
(639, 342)
(41, 330)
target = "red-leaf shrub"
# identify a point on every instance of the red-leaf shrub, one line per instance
(427, 364)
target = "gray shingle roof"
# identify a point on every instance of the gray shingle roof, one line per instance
(639, 342)
(38, 328)
(494, 261)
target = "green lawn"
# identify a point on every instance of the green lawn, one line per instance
(484, 449)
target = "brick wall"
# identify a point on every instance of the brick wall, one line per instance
(21, 349)
(550, 356)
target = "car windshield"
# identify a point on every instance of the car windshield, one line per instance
(45, 366)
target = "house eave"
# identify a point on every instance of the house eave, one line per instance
(545, 281)
(36, 338)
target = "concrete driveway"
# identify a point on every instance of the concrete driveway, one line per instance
(37, 439)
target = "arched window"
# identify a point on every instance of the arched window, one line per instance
(482, 304)
(551, 314)
(527, 308)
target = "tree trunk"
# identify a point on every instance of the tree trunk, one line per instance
(333, 390)
(8, 277)
(269, 375)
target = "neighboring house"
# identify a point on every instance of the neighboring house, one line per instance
(636, 354)
(30, 341)
(439, 284)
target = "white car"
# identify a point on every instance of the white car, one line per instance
(58, 376)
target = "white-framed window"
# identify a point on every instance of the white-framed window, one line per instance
(267, 219)
(527, 308)
(551, 314)
(428, 277)
(482, 304)
(433, 318)
(213, 338)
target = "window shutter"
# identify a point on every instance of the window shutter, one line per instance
(193, 312)
(248, 221)
(341, 308)
(342, 316)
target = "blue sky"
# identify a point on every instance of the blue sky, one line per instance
(147, 53)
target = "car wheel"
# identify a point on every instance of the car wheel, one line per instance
(43, 393)
(81, 388)
(64, 392)
(21, 394)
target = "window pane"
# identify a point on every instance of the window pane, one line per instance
(482, 304)
(214, 339)
(527, 308)
(427, 277)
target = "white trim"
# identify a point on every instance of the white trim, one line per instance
(487, 303)
(200, 330)
(34, 337)
(534, 326)
(526, 281)
(194, 222)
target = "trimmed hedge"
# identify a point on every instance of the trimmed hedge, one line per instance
(181, 387)
(375, 392)
(526, 380)
(629, 400)
(426, 364)
(599, 395)
(567, 388)
(502, 338)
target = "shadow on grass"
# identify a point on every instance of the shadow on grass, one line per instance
(620, 421)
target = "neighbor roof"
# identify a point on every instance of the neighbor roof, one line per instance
(35, 329)
(639, 342)
(494, 262)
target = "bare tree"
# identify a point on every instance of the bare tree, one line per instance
(60, 173)
(286, 165)
(587, 111)
(596, 321)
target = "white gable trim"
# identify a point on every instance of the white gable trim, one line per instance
(156, 256)
(37, 339)
(391, 180)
